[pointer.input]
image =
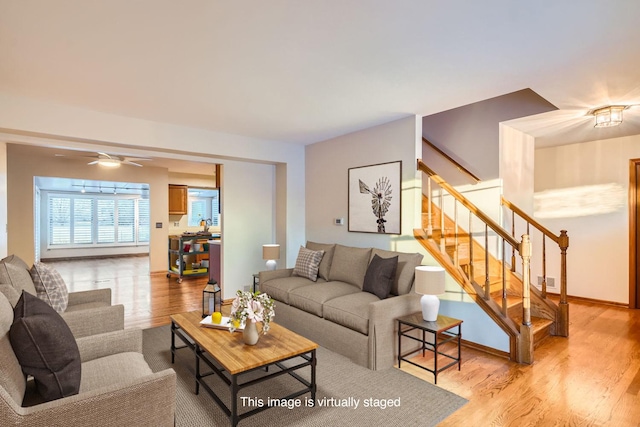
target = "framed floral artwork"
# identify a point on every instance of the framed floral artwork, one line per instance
(375, 198)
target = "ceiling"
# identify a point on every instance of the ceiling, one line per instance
(305, 71)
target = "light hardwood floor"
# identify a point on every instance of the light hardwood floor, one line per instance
(591, 378)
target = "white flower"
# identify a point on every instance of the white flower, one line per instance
(253, 307)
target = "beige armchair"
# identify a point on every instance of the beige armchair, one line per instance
(88, 312)
(117, 387)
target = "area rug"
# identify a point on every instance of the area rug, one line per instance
(347, 394)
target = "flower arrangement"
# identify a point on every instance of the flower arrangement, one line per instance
(256, 307)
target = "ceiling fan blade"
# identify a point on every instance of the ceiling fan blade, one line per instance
(95, 162)
(104, 154)
(132, 163)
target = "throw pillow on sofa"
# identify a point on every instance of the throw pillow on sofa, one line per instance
(50, 286)
(45, 348)
(380, 275)
(307, 263)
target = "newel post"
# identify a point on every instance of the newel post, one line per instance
(526, 331)
(562, 327)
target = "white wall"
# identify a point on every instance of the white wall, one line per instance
(327, 166)
(598, 254)
(247, 223)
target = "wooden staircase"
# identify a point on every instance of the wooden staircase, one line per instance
(498, 286)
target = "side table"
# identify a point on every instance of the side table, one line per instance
(440, 331)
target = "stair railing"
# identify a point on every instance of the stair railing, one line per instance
(523, 248)
(562, 241)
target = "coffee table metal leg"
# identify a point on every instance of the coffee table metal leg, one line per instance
(173, 342)
(313, 375)
(234, 400)
(197, 353)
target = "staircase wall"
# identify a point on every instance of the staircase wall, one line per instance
(477, 327)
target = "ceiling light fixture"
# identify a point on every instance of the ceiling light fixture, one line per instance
(609, 116)
(109, 163)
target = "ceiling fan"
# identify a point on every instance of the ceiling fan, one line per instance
(112, 161)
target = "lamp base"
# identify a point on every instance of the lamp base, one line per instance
(271, 264)
(430, 306)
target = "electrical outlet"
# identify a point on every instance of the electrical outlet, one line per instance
(176, 223)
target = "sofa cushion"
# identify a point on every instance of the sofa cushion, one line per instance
(380, 275)
(15, 260)
(17, 277)
(45, 348)
(50, 286)
(10, 292)
(279, 289)
(351, 311)
(407, 262)
(349, 264)
(114, 369)
(307, 263)
(311, 298)
(325, 264)
(11, 378)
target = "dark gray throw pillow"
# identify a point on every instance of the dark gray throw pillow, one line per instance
(380, 275)
(45, 348)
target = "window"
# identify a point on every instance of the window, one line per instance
(203, 204)
(81, 220)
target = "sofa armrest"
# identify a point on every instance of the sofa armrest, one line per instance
(383, 326)
(95, 321)
(93, 295)
(102, 345)
(146, 401)
(267, 275)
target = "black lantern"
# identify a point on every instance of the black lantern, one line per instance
(211, 299)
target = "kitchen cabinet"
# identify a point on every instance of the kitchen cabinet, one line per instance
(178, 195)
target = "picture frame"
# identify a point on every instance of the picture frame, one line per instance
(375, 198)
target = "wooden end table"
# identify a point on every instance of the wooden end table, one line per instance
(226, 355)
(441, 331)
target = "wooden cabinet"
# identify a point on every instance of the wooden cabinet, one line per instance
(178, 199)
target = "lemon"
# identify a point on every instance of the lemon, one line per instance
(236, 324)
(216, 317)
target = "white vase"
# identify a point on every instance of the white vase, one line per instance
(250, 333)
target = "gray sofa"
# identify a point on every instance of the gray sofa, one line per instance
(117, 387)
(335, 312)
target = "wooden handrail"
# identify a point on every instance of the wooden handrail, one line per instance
(472, 208)
(449, 158)
(530, 220)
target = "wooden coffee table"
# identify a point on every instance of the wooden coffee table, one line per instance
(232, 358)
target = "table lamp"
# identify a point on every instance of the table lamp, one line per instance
(429, 282)
(271, 253)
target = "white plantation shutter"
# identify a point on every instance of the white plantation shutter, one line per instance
(126, 220)
(197, 211)
(59, 220)
(83, 221)
(143, 221)
(215, 209)
(106, 221)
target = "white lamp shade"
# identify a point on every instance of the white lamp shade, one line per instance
(429, 280)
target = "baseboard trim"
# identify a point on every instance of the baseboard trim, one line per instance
(591, 300)
(485, 349)
(88, 257)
